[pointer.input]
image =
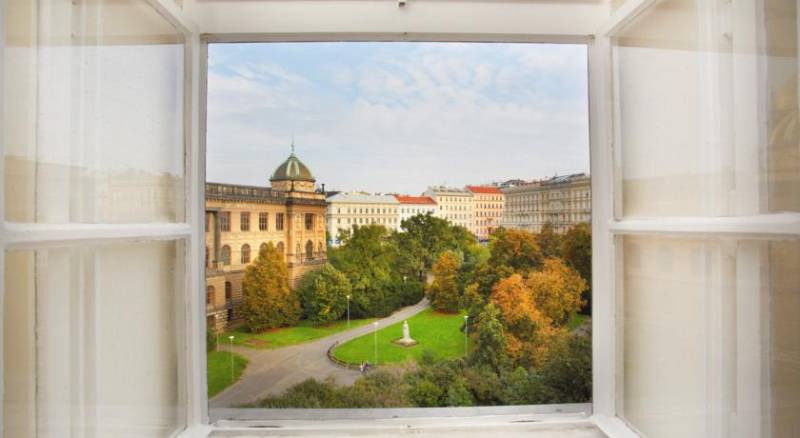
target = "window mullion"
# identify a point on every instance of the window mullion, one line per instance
(19, 235)
(768, 226)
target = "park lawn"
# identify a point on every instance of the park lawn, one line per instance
(286, 336)
(219, 370)
(576, 320)
(439, 333)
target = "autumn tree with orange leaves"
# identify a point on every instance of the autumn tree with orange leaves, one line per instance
(557, 290)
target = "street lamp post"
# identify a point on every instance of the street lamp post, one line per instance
(230, 338)
(466, 333)
(375, 326)
(348, 310)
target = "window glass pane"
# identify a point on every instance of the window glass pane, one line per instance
(707, 120)
(91, 341)
(710, 339)
(94, 110)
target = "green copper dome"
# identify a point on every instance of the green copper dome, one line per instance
(292, 170)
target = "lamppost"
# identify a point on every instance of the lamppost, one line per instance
(375, 326)
(230, 338)
(466, 333)
(348, 311)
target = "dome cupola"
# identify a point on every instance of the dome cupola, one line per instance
(292, 170)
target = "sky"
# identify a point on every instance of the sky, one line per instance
(397, 117)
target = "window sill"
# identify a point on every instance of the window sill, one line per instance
(563, 421)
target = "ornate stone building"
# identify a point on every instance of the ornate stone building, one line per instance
(562, 200)
(240, 219)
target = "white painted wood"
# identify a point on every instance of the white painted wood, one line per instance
(613, 426)
(627, 12)
(18, 235)
(544, 17)
(768, 226)
(603, 350)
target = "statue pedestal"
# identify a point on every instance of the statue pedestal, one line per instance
(405, 342)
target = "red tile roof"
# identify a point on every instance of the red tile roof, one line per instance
(415, 199)
(484, 189)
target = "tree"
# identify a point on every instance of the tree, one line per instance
(490, 340)
(576, 250)
(556, 290)
(443, 292)
(530, 333)
(549, 242)
(516, 249)
(424, 238)
(324, 294)
(567, 374)
(366, 257)
(268, 300)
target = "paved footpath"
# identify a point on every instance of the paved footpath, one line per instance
(272, 371)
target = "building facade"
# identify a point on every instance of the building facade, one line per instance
(358, 208)
(488, 203)
(563, 201)
(290, 214)
(414, 205)
(454, 204)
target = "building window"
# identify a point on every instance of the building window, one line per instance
(210, 296)
(309, 221)
(263, 221)
(309, 250)
(228, 292)
(226, 255)
(225, 221)
(245, 256)
(244, 223)
(279, 221)
(280, 248)
(262, 247)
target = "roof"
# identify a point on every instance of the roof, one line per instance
(292, 170)
(256, 194)
(403, 199)
(565, 178)
(362, 198)
(484, 189)
(449, 190)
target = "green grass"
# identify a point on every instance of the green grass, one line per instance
(284, 337)
(437, 332)
(219, 370)
(576, 320)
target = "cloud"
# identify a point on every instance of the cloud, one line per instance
(398, 116)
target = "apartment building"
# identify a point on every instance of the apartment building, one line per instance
(562, 201)
(360, 208)
(414, 205)
(454, 204)
(488, 205)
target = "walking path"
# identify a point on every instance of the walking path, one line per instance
(272, 371)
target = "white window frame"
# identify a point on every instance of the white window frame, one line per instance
(607, 225)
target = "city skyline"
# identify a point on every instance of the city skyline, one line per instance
(397, 117)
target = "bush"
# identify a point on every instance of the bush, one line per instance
(211, 339)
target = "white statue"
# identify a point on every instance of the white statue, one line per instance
(406, 340)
